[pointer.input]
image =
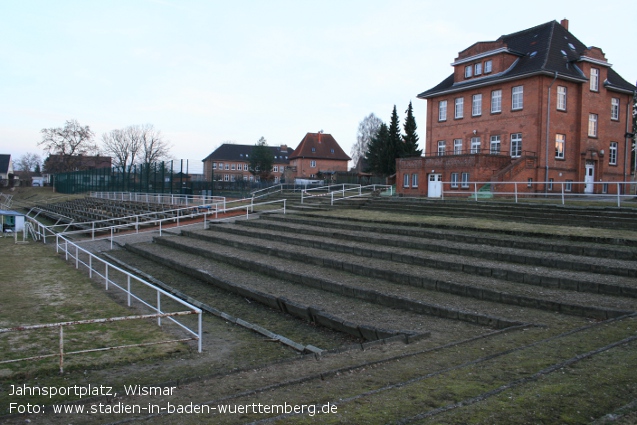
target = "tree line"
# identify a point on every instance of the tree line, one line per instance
(378, 144)
(67, 147)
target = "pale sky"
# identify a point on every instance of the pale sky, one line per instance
(207, 72)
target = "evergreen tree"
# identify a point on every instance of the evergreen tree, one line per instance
(261, 160)
(395, 147)
(410, 139)
(377, 151)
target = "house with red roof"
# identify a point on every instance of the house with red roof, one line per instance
(318, 156)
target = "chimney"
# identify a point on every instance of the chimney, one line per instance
(284, 148)
(564, 23)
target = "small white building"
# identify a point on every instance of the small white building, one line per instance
(11, 221)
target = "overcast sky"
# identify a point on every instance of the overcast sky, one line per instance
(207, 72)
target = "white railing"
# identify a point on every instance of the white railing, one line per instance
(159, 198)
(61, 325)
(557, 191)
(84, 258)
(356, 190)
(267, 191)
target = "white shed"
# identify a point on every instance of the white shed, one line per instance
(11, 221)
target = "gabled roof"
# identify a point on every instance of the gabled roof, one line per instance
(231, 152)
(4, 163)
(544, 49)
(319, 146)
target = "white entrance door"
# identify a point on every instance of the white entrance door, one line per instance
(589, 178)
(434, 190)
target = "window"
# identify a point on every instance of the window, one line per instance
(457, 146)
(467, 71)
(496, 101)
(612, 154)
(331, 150)
(517, 98)
(561, 98)
(605, 188)
(488, 66)
(227, 166)
(495, 145)
(559, 146)
(221, 165)
(442, 110)
(414, 180)
(276, 179)
(592, 125)
(232, 178)
(459, 110)
(441, 147)
(313, 149)
(465, 179)
(476, 105)
(245, 167)
(594, 79)
(550, 187)
(313, 164)
(226, 177)
(568, 186)
(214, 165)
(232, 168)
(475, 145)
(245, 178)
(454, 179)
(614, 109)
(516, 145)
(477, 68)
(406, 180)
(275, 168)
(529, 182)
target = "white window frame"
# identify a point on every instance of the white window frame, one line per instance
(561, 98)
(468, 71)
(465, 180)
(614, 109)
(214, 165)
(612, 153)
(516, 145)
(245, 167)
(517, 98)
(568, 186)
(441, 147)
(496, 101)
(560, 145)
(227, 166)
(226, 177)
(477, 69)
(476, 105)
(414, 180)
(594, 83)
(312, 163)
(488, 66)
(454, 180)
(457, 146)
(458, 111)
(495, 145)
(592, 125)
(275, 169)
(475, 145)
(442, 110)
(232, 167)
(405, 180)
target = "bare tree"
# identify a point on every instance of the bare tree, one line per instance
(154, 147)
(123, 145)
(65, 145)
(28, 162)
(367, 129)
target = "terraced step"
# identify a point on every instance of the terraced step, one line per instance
(463, 281)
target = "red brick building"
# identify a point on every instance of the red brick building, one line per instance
(318, 154)
(536, 106)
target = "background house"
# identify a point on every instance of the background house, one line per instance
(231, 163)
(533, 106)
(7, 174)
(318, 156)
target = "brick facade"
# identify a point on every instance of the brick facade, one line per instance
(522, 73)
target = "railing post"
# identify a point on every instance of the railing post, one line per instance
(475, 190)
(160, 227)
(332, 195)
(200, 331)
(112, 230)
(93, 231)
(562, 193)
(128, 289)
(284, 201)
(515, 184)
(158, 308)
(106, 275)
(619, 202)
(90, 265)
(61, 349)
(77, 256)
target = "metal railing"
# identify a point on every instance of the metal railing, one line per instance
(61, 325)
(160, 198)
(360, 192)
(560, 191)
(333, 191)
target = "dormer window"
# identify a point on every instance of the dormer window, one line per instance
(313, 149)
(468, 71)
(488, 66)
(477, 69)
(332, 150)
